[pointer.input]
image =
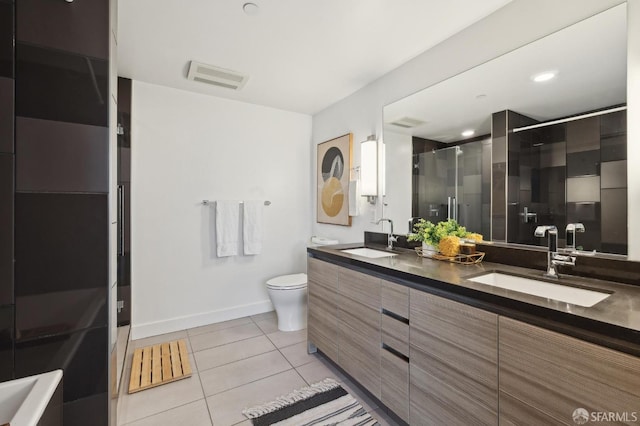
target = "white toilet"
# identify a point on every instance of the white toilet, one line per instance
(288, 294)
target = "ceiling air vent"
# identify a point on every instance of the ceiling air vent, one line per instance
(216, 76)
(407, 122)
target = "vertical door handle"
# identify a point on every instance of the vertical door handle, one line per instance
(120, 220)
(454, 208)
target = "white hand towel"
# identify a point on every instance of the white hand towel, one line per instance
(227, 227)
(354, 198)
(252, 232)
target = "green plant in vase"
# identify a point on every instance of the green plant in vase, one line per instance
(430, 235)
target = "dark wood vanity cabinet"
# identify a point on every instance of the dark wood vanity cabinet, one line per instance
(546, 376)
(453, 362)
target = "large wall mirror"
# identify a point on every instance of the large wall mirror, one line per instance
(534, 137)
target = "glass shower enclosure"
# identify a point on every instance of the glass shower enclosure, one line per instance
(451, 183)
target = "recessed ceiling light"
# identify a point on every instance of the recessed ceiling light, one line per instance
(545, 76)
(468, 133)
(251, 9)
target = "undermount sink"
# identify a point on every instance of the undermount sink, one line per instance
(562, 293)
(367, 252)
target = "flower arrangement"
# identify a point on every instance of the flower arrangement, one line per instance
(431, 234)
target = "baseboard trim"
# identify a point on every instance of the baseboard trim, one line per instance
(155, 328)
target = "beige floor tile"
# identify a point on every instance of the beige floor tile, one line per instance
(263, 316)
(382, 418)
(154, 340)
(287, 338)
(367, 403)
(218, 326)
(238, 373)
(222, 337)
(318, 370)
(297, 354)
(193, 414)
(226, 407)
(220, 355)
(162, 398)
(268, 325)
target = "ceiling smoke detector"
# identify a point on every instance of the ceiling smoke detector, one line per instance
(216, 76)
(408, 122)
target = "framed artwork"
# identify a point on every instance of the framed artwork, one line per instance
(333, 169)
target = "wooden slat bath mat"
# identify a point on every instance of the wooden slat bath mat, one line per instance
(159, 364)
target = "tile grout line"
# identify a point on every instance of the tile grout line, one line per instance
(219, 329)
(201, 385)
(228, 343)
(163, 411)
(234, 341)
(244, 359)
(248, 383)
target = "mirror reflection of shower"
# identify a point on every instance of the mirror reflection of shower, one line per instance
(454, 183)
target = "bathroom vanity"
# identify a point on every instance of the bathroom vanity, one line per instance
(437, 348)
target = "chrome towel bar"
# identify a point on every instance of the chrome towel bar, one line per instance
(207, 202)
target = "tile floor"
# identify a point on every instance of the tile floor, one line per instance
(237, 364)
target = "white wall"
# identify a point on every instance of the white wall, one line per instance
(399, 164)
(188, 147)
(633, 125)
(518, 23)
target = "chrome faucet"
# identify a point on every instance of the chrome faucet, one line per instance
(553, 257)
(571, 230)
(390, 238)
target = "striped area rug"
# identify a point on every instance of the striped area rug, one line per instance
(322, 403)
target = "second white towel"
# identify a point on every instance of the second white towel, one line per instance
(227, 227)
(252, 226)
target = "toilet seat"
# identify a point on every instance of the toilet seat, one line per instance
(288, 282)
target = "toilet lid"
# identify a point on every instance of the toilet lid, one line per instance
(288, 282)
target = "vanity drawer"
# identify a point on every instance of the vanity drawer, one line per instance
(361, 288)
(395, 298)
(322, 273)
(395, 334)
(394, 372)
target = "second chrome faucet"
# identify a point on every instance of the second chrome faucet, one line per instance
(554, 258)
(390, 238)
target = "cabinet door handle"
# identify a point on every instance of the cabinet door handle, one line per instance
(394, 352)
(395, 316)
(120, 220)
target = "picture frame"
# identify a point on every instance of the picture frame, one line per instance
(333, 170)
